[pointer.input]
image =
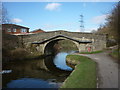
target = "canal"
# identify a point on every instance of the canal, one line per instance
(49, 72)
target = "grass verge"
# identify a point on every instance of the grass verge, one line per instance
(84, 75)
(94, 52)
(115, 53)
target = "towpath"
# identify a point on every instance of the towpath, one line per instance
(107, 70)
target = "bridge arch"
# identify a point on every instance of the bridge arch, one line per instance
(49, 46)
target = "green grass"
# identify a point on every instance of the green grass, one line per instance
(115, 53)
(94, 52)
(84, 75)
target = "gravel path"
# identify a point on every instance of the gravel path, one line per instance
(107, 70)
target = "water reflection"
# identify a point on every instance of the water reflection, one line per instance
(32, 73)
(24, 71)
(32, 83)
(60, 61)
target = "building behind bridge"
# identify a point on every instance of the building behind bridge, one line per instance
(37, 31)
(18, 29)
(14, 29)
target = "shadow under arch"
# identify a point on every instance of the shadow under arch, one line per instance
(50, 52)
(49, 47)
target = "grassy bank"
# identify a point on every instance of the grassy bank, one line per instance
(84, 75)
(94, 52)
(115, 54)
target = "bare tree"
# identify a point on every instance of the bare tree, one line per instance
(5, 19)
(113, 21)
(112, 25)
(93, 31)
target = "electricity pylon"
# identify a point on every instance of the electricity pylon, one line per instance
(81, 23)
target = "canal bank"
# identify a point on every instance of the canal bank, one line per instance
(84, 75)
(44, 71)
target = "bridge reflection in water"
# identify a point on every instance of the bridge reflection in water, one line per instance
(37, 73)
(60, 61)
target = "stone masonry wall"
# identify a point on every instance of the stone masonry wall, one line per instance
(98, 40)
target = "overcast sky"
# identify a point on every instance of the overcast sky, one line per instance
(51, 16)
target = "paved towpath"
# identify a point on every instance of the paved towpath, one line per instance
(107, 70)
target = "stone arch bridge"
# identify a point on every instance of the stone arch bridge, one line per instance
(47, 45)
(46, 40)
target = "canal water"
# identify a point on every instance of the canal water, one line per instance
(49, 72)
